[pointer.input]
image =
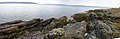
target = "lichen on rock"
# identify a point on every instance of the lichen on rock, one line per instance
(57, 33)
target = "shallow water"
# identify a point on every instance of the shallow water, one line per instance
(10, 12)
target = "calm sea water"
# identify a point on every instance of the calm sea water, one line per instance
(10, 12)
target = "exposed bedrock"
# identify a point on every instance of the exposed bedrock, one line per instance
(95, 24)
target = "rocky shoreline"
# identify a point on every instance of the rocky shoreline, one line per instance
(95, 24)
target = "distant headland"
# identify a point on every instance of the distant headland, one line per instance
(18, 3)
(76, 5)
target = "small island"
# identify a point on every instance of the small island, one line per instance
(18, 3)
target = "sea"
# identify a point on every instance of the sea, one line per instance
(10, 12)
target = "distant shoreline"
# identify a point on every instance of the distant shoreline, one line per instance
(18, 3)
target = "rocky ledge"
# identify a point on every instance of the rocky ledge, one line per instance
(95, 24)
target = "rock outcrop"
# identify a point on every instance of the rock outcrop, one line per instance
(75, 31)
(99, 30)
(14, 28)
(95, 24)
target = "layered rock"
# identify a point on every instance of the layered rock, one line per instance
(36, 31)
(14, 28)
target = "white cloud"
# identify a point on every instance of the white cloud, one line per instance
(37, 1)
(107, 3)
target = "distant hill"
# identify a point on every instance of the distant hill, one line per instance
(18, 3)
(76, 5)
(50, 4)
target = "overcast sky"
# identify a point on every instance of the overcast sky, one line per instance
(107, 3)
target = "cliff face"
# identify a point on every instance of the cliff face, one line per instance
(95, 24)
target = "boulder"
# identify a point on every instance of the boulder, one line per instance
(75, 31)
(99, 30)
(57, 33)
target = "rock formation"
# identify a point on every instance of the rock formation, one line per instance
(95, 24)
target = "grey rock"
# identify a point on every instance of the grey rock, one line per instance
(90, 35)
(55, 34)
(49, 27)
(100, 29)
(30, 35)
(75, 31)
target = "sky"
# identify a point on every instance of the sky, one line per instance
(105, 3)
